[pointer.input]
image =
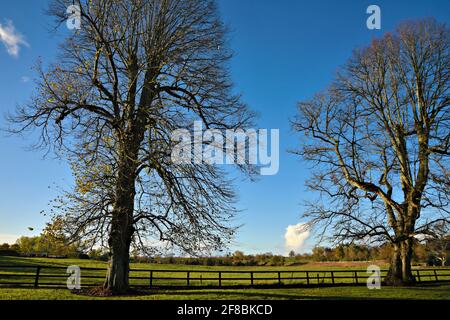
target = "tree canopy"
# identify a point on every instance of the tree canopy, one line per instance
(379, 139)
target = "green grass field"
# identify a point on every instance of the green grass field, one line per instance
(423, 291)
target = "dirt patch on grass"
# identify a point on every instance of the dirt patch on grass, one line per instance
(102, 292)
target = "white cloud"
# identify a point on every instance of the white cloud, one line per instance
(11, 38)
(25, 79)
(295, 237)
(8, 238)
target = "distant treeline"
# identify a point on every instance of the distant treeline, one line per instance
(351, 252)
(41, 246)
(429, 253)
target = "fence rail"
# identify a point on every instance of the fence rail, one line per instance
(56, 276)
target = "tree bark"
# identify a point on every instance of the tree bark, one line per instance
(394, 275)
(406, 255)
(400, 265)
(118, 269)
(122, 229)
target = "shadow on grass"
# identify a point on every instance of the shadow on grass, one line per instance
(233, 294)
(195, 293)
(337, 293)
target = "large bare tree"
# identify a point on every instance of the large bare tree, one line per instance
(133, 73)
(438, 244)
(379, 138)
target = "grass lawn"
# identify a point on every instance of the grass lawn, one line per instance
(425, 292)
(428, 291)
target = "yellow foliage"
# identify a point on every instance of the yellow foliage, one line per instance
(84, 186)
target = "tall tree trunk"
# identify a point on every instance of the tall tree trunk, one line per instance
(406, 254)
(400, 265)
(122, 229)
(118, 269)
(394, 275)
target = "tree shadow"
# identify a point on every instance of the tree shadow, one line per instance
(260, 295)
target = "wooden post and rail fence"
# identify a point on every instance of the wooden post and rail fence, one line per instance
(56, 276)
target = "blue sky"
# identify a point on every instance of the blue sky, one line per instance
(285, 51)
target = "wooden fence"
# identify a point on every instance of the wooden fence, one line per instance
(56, 276)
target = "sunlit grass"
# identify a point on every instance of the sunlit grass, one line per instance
(49, 277)
(425, 292)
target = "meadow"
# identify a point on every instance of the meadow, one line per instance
(169, 280)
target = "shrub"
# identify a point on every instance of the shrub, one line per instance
(9, 252)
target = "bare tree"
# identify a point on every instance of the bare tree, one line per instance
(379, 138)
(135, 71)
(439, 243)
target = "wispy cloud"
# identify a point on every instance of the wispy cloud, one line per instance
(25, 79)
(11, 38)
(295, 237)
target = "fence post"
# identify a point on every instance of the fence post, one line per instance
(435, 275)
(187, 278)
(356, 277)
(251, 276)
(307, 278)
(220, 279)
(151, 279)
(279, 278)
(332, 277)
(318, 279)
(418, 275)
(36, 279)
